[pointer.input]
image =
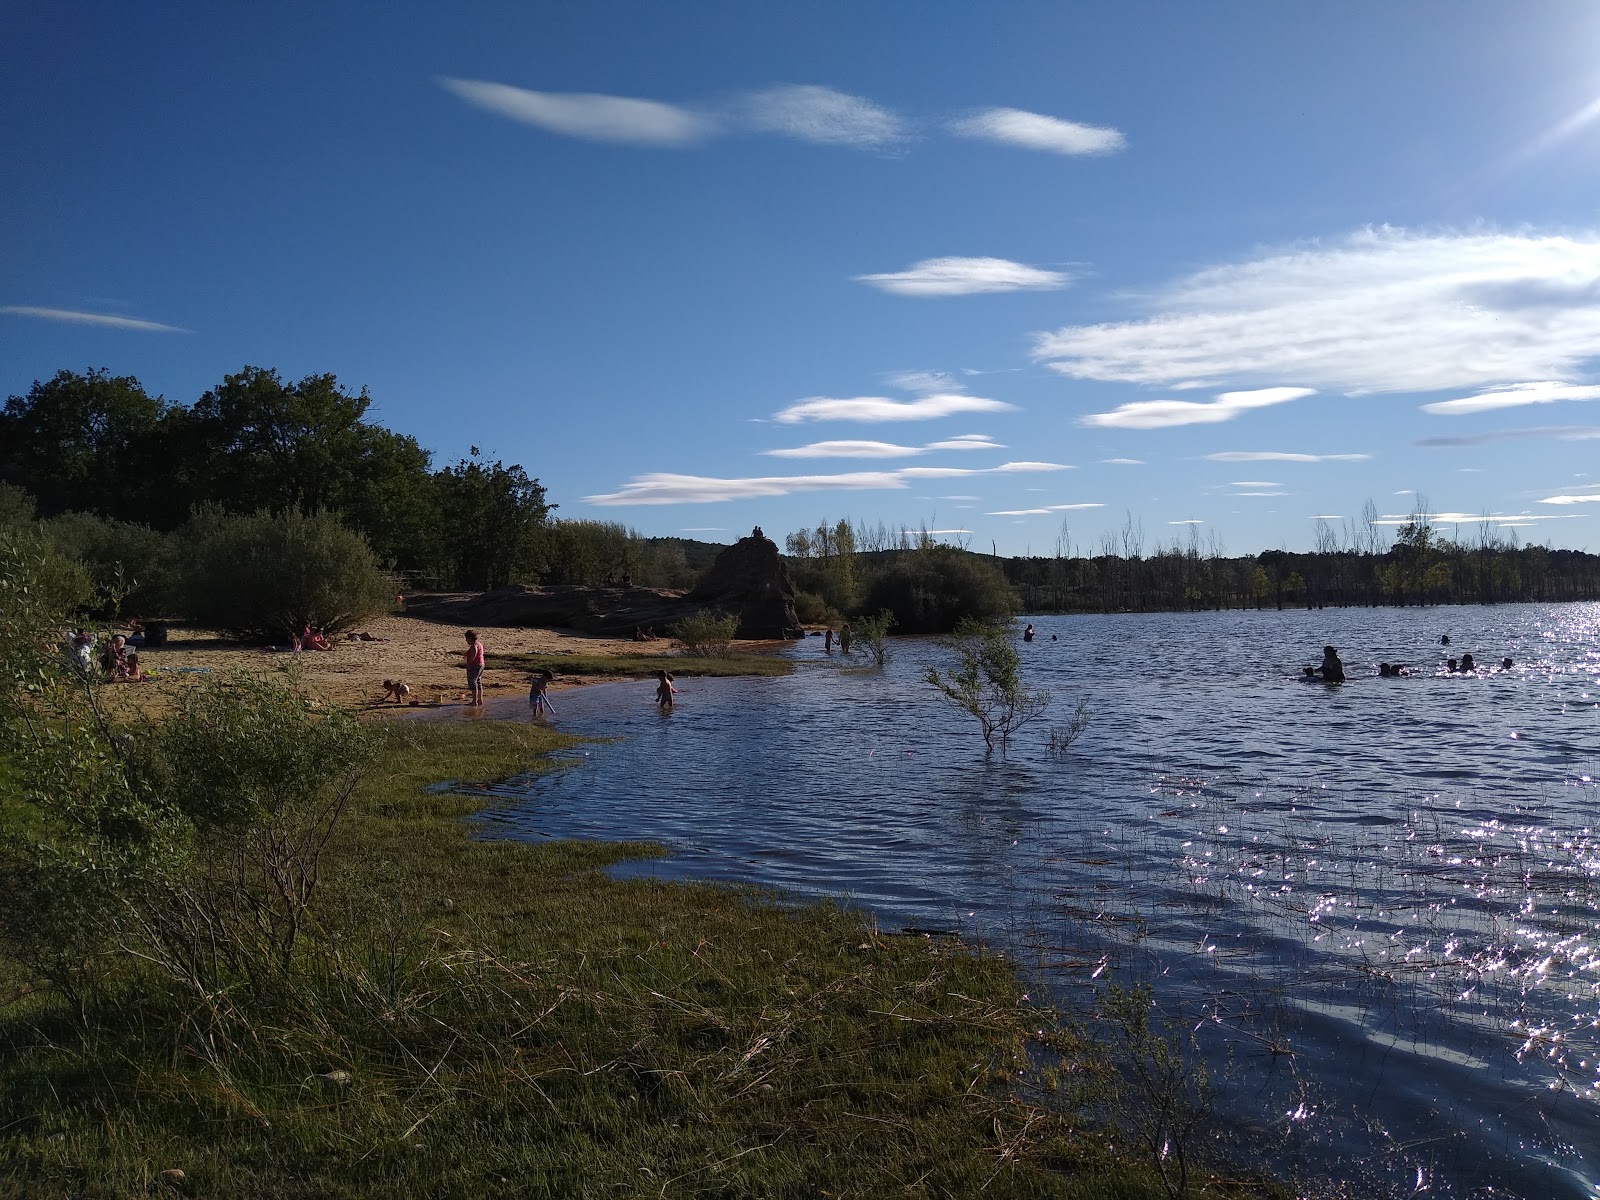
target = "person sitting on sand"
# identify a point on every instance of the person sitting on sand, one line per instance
(1332, 669)
(129, 671)
(396, 690)
(113, 657)
(638, 634)
(318, 640)
(664, 690)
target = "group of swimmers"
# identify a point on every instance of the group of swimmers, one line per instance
(1332, 669)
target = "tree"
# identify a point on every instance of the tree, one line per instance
(492, 519)
(84, 442)
(986, 681)
(873, 634)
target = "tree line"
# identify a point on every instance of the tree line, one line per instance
(90, 447)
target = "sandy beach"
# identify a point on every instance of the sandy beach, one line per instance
(424, 654)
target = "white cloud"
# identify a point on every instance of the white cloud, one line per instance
(1047, 509)
(1164, 414)
(704, 529)
(846, 449)
(925, 382)
(1035, 131)
(1189, 521)
(663, 488)
(1124, 462)
(1254, 483)
(1281, 456)
(961, 497)
(966, 277)
(949, 531)
(1258, 493)
(867, 449)
(1020, 512)
(1383, 310)
(1513, 396)
(820, 114)
(585, 115)
(1326, 517)
(1569, 499)
(88, 318)
(878, 408)
(1465, 518)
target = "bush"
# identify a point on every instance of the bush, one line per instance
(873, 634)
(134, 568)
(266, 576)
(986, 681)
(707, 634)
(811, 609)
(934, 589)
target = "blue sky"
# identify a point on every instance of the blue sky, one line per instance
(994, 268)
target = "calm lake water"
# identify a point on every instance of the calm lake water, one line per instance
(1378, 904)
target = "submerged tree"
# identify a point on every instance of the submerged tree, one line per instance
(986, 680)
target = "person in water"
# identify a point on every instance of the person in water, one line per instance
(1444, 639)
(1332, 669)
(1467, 665)
(1027, 634)
(1384, 671)
(827, 640)
(538, 700)
(844, 640)
(1506, 664)
(474, 663)
(1452, 666)
(664, 690)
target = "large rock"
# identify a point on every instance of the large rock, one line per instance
(750, 579)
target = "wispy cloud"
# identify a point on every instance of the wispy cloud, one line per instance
(1164, 414)
(880, 408)
(662, 488)
(1035, 131)
(1281, 456)
(1326, 517)
(1187, 521)
(1254, 483)
(1383, 310)
(1466, 518)
(866, 449)
(1124, 462)
(966, 277)
(586, 115)
(1564, 433)
(104, 320)
(924, 382)
(1258, 493)
(1571, 499)
(820, 114)
(1513, 396)
(1044, 510)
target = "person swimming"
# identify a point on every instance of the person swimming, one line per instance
(1452, 666)
(1332, 669)
(1506, 664)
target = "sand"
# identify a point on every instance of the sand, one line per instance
(424, 654)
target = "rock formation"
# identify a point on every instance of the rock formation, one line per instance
(750, 579)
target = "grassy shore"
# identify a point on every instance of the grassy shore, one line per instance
(493, 1018)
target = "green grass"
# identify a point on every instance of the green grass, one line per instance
(488, 1018)
(640, 666)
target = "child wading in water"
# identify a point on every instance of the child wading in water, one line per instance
(474, 659)
(537, 699)
(664, 690)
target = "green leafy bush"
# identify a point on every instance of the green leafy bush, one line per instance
(873, 635)
(134, 568)
(268, 575)
(707, 634)
(812, 609)
(932, 590)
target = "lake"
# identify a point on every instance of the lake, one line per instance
(1377, 905)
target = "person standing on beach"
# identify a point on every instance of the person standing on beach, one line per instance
(474, 669)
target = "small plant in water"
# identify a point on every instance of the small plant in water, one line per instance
(986, 680)
(1062, 736)
(873, 634)
(1170, 1092)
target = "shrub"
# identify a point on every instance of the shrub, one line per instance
(1062, 736)
(811, 609)
(134, 568)
(934, 589)
(707, 634)
(873, 634)
(268, 575)
(986, 681)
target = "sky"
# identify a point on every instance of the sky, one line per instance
(1019, 272)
